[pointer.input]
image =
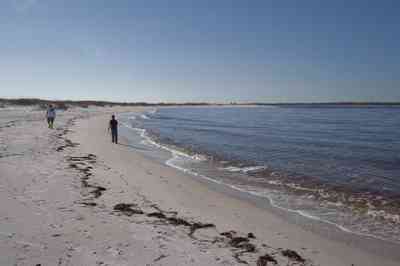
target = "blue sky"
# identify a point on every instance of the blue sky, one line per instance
(270, 51)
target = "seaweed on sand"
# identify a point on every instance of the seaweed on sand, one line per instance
(127, 209)
(293, 255)
(263, 260)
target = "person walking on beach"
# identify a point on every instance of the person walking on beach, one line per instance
(51, 115)
(114, 129)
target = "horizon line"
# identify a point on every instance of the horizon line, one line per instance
(33, 101)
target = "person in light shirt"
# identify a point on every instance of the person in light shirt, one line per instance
(51, 116)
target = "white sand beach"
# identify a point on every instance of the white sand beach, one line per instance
(69, 196)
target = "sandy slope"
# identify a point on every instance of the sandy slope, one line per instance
(59, 188)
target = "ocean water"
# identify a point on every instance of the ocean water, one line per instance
(340, 165)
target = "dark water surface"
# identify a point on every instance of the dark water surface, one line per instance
(339, 165)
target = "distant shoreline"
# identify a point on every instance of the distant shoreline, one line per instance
(87, 103)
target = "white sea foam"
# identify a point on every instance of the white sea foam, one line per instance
(148, 140)
(248, 169)
(275, 182)
(153, 111)
(394, 218)
(143, 116)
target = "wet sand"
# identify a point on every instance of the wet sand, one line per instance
(71, 197)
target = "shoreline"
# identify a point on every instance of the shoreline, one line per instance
(207, 188)
(353, 199)
(80, 200)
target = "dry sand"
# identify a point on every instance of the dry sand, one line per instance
(63, 191)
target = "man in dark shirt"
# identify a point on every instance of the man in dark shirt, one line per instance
(114, 129)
